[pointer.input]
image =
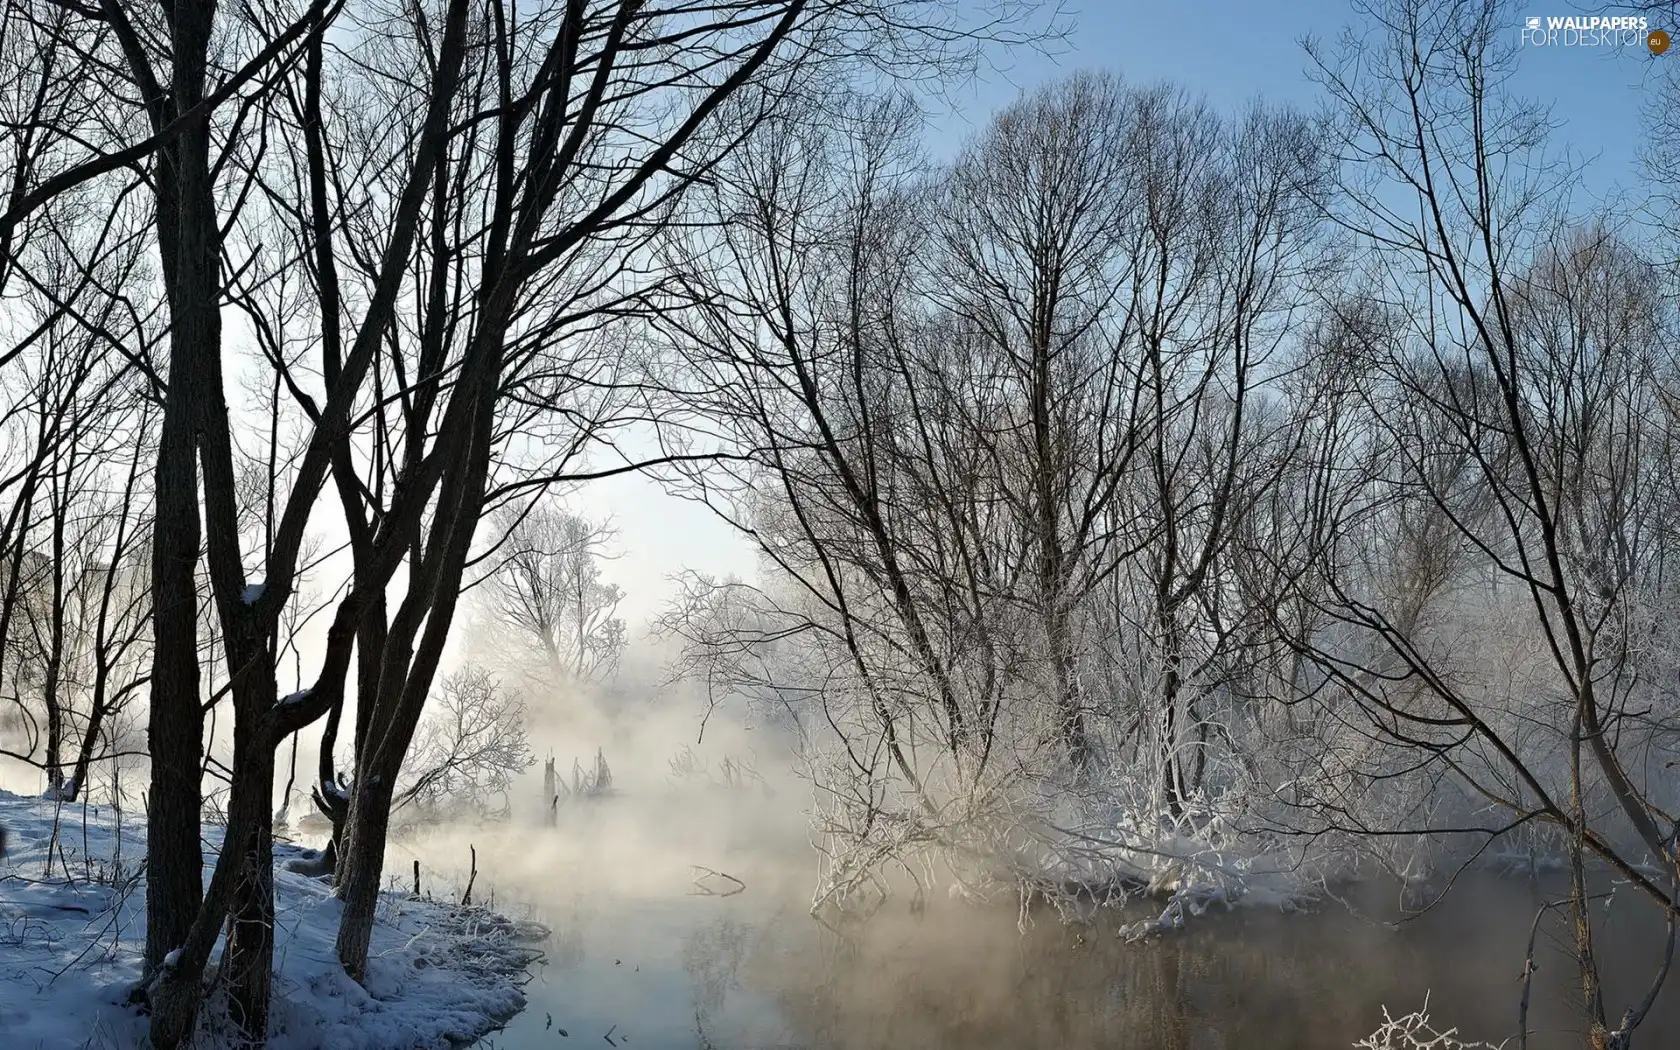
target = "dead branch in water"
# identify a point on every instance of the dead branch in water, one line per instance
(703, 890)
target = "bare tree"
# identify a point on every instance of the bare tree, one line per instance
(1524, 400)
(579, 131)
(468, 749)
(993, 411)
(1131, 265)
(87, 626)
(170, 65)
(78, 404)
(1033, 222)
(547, 615)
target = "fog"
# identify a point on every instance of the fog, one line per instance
(671, 805)
(1143, 560)
(678, 907)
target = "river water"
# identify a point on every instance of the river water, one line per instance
(643, 957)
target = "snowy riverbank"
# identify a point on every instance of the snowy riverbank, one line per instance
(72, 928)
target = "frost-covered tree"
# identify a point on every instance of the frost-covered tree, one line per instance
(468, 749)
(997, 425)
(1495, 585)
(545, 614)
(421, 228)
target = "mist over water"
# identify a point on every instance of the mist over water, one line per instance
(647, 950)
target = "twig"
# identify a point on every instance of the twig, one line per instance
(472, 876)
(1528, 972)
(406, 945)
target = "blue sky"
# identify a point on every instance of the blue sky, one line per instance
(1231, 52)
(1234, 51)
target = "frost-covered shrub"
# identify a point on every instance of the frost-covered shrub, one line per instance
(1414, 1031)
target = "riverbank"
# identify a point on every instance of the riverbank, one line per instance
(73, 926)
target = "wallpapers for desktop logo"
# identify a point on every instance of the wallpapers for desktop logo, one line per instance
(1593, 31)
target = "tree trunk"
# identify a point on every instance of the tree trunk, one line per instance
(248, 962)
(175, 728)
(1070, 707)
(407, 670)
(249, 959)
(189, 244)
(55, 739)
(551, 794)
(1172, 685)
(244, 892)
(361, 864)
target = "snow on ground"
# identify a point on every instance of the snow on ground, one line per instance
(72, 929)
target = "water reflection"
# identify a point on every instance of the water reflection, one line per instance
(675, 971)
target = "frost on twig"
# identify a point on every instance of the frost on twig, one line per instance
(1042, 846)
(1414, 1031)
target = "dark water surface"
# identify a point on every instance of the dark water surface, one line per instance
(638, 958)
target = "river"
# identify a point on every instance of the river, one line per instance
(641, 956)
